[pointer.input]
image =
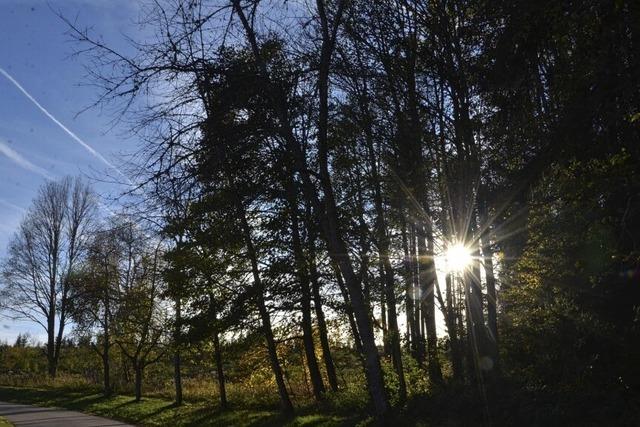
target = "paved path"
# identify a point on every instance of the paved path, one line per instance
(34, 416)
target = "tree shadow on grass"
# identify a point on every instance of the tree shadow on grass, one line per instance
(211, 417)
(264, 418)
(156, 412)
(166, 413)
(125, 403)
(38, 396)
(83, 401)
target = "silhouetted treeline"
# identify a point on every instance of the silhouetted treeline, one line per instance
(335, 161)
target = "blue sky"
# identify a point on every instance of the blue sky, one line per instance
(35, 52)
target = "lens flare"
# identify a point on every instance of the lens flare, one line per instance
(458, 257)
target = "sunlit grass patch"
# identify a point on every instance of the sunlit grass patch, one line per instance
(160, 412)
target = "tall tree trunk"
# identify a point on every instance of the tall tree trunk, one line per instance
(305, 296)
(62, 314)
(427, 274)
(349, 310)
(177, 374)
(462, 317)
(423, 279)
(58, 345)
(106, 345)
(51, 362)
(106, 370)
(388, 287)
(435, 371)
(417, 297)
(220, 371)
(309, 346)
(394, 332)
(322, 323)
(373, 369)
(386, 343)
(106, 362)
(51, 324)
(477, 331)
(454, 342)
(392, 341)
(408, 289)
(137, 366)
(492, 315)
(487, 258)
(285, 401)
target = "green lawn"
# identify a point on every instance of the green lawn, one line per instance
(5, 423)
(158, 412)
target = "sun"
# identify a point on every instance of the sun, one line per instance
(458, 257)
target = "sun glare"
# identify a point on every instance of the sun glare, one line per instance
(458, 257)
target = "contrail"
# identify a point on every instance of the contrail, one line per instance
(63, 127)
(12, 206)
(18, 159)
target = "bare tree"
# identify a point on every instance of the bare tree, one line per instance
(49, 243)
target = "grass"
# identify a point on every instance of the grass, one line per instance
(159, 412)
(5, 423)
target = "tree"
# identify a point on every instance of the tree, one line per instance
(140, 321)
(95, 291)
(22, 340)
(51, 241)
